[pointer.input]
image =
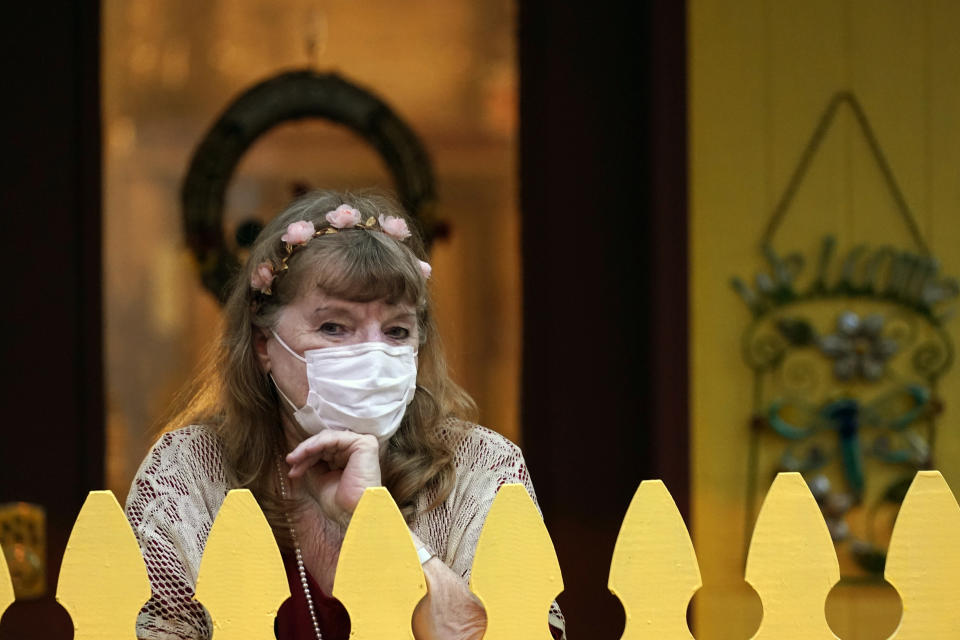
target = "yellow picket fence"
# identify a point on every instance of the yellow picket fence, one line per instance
(654, 572)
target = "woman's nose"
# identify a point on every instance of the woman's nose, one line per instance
(371, 332)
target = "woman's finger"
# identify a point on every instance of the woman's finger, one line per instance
(328, 440)
(337, 449)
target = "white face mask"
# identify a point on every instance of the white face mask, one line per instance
(364, 388)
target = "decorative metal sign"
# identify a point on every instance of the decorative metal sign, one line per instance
(23, 542)
(845, 371)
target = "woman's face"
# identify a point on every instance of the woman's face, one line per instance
(316, 321)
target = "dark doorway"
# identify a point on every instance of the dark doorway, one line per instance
(603, 195)
(51, 450)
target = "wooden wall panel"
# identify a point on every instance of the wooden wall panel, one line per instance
(942, 183)
(725, 199)
(760, 73)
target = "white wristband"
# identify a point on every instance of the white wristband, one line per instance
(424, 554)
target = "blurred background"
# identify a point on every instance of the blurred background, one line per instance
(602, 172)
(169, 68)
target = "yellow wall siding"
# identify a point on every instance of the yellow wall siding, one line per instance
(761, 72)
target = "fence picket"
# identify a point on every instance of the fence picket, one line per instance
(103, 580)
(792, 563)
(241, 580)
(515, 571)
(379, 579)
(923, 562)
(654, 571)
(7, 595)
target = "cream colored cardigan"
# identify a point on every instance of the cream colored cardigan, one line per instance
(180, 486)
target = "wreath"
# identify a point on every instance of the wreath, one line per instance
(291, 96)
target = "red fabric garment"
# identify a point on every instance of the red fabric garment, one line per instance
(556, 633)
(293, 619)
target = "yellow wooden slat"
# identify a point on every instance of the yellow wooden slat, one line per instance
(942, 159)
(654, 571)
(7, 595)
(379, 579)
(103, 580)
(923, 562)
(792, 563)
(241, 580)
(515, 570)
(733, 186)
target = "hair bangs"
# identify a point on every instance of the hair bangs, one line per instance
(361, 266)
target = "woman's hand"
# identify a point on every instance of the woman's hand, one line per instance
(336, 468)
(449, 611)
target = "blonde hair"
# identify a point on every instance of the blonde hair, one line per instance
(233, 394)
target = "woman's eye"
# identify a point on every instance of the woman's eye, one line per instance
(331, 328)
(398, 333)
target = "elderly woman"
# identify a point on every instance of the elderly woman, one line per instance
(329, 379)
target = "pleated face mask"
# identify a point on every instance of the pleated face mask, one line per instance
(364, 388)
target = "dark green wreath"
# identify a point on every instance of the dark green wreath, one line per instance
(294, 95)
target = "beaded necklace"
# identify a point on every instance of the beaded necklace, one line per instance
(300, 568)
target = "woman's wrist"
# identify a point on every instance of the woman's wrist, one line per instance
(425, 554)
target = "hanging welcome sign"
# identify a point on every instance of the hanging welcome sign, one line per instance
(846, 369)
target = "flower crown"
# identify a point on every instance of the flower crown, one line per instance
(343, 217)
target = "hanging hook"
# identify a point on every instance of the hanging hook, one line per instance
(315, 37)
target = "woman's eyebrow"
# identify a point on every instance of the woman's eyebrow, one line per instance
(403, 315)
(333, 308)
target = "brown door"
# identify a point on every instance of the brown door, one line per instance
(603, 184)
(51, 441)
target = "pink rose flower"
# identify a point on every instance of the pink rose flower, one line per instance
(396, 227)
(426, 269)
(298, 232)
(343, 217)
(262, 277)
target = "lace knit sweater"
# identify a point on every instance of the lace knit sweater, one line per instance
(180, 486)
